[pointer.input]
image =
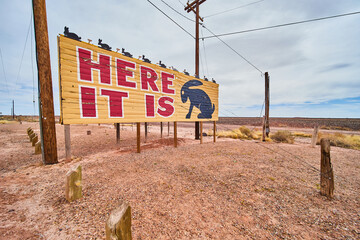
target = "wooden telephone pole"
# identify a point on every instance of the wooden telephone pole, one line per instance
(194, 7)
(46, 105)
(267, 104)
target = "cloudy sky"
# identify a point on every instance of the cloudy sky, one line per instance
(314, 67)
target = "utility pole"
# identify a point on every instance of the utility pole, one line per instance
(46, 104)
(13, 110)
(267, 104)
(194, 7)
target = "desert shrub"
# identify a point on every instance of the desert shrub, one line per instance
(341, 140)
(283, 136)
(240, 133)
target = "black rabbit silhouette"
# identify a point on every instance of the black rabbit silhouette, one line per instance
(70, 34)
(198, 98)
(104, 45)
(127, 54)
(145, 59)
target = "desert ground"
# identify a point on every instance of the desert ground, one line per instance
(231, 189)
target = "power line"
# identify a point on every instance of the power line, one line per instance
(22, 56)
(177, 11)
(233, 50)
(215, 14)
(284, 25)
(2, 61)
(171, 19)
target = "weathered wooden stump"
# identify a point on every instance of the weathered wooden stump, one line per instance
(32, 136)
(327, 175)
(118, 225)
(34, 140)
(30, 132)
(314, 136)
(88, 132)
(73, 189)
(38, 148)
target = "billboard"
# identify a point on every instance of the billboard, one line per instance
(101, 86)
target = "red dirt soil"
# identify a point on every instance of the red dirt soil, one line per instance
(230, 189)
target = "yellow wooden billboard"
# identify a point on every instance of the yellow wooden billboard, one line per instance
(101, 86)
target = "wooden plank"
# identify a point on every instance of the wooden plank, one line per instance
(326, 170)
(67, 142)
(175, 135)
(138, 136)
(47, 119)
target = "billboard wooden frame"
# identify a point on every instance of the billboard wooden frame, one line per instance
(94, 78)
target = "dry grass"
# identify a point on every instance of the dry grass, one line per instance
(283, 136)
(335, 128)
(341, 140)
(301, 134)
(241, 133)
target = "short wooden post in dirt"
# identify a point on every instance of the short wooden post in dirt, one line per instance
(29, 130)
(73, 189)
(138, 137)
(117, 133)
(34, 140)
(118, 225)
(38, 148)
(32, 136)
(201, 132)
(161, 129)
(175, 134)
(67, 142)
(214, 131)
(314, 136)
(327, 175)
(146, 130)
(88, 132)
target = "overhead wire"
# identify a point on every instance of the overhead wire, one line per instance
(32, 65)
(282, 25)
(229, 10)
(22, 56)
(171, 19)
(177, 11)
(203, 43)
(2, 62)
(250, 63)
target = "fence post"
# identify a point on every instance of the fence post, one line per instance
(118, 225)
(314, 136)
(67, 142)
(201, 132)
(138, 136)
(214, 131)
(327, 175)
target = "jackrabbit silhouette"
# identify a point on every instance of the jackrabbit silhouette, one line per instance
(70, 34)
(104, 45)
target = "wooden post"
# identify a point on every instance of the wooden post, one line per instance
(138, 136)
(267, 104)
(118, 225)
(168, 128)
(201, 132)
(146, 131)
(67, 142)
(161, 129)
(46, 105)
(314, 136)
(175, 134)
(117, 133)
(73, 188)
(263, 131)
(327, 175)
(214, 131)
